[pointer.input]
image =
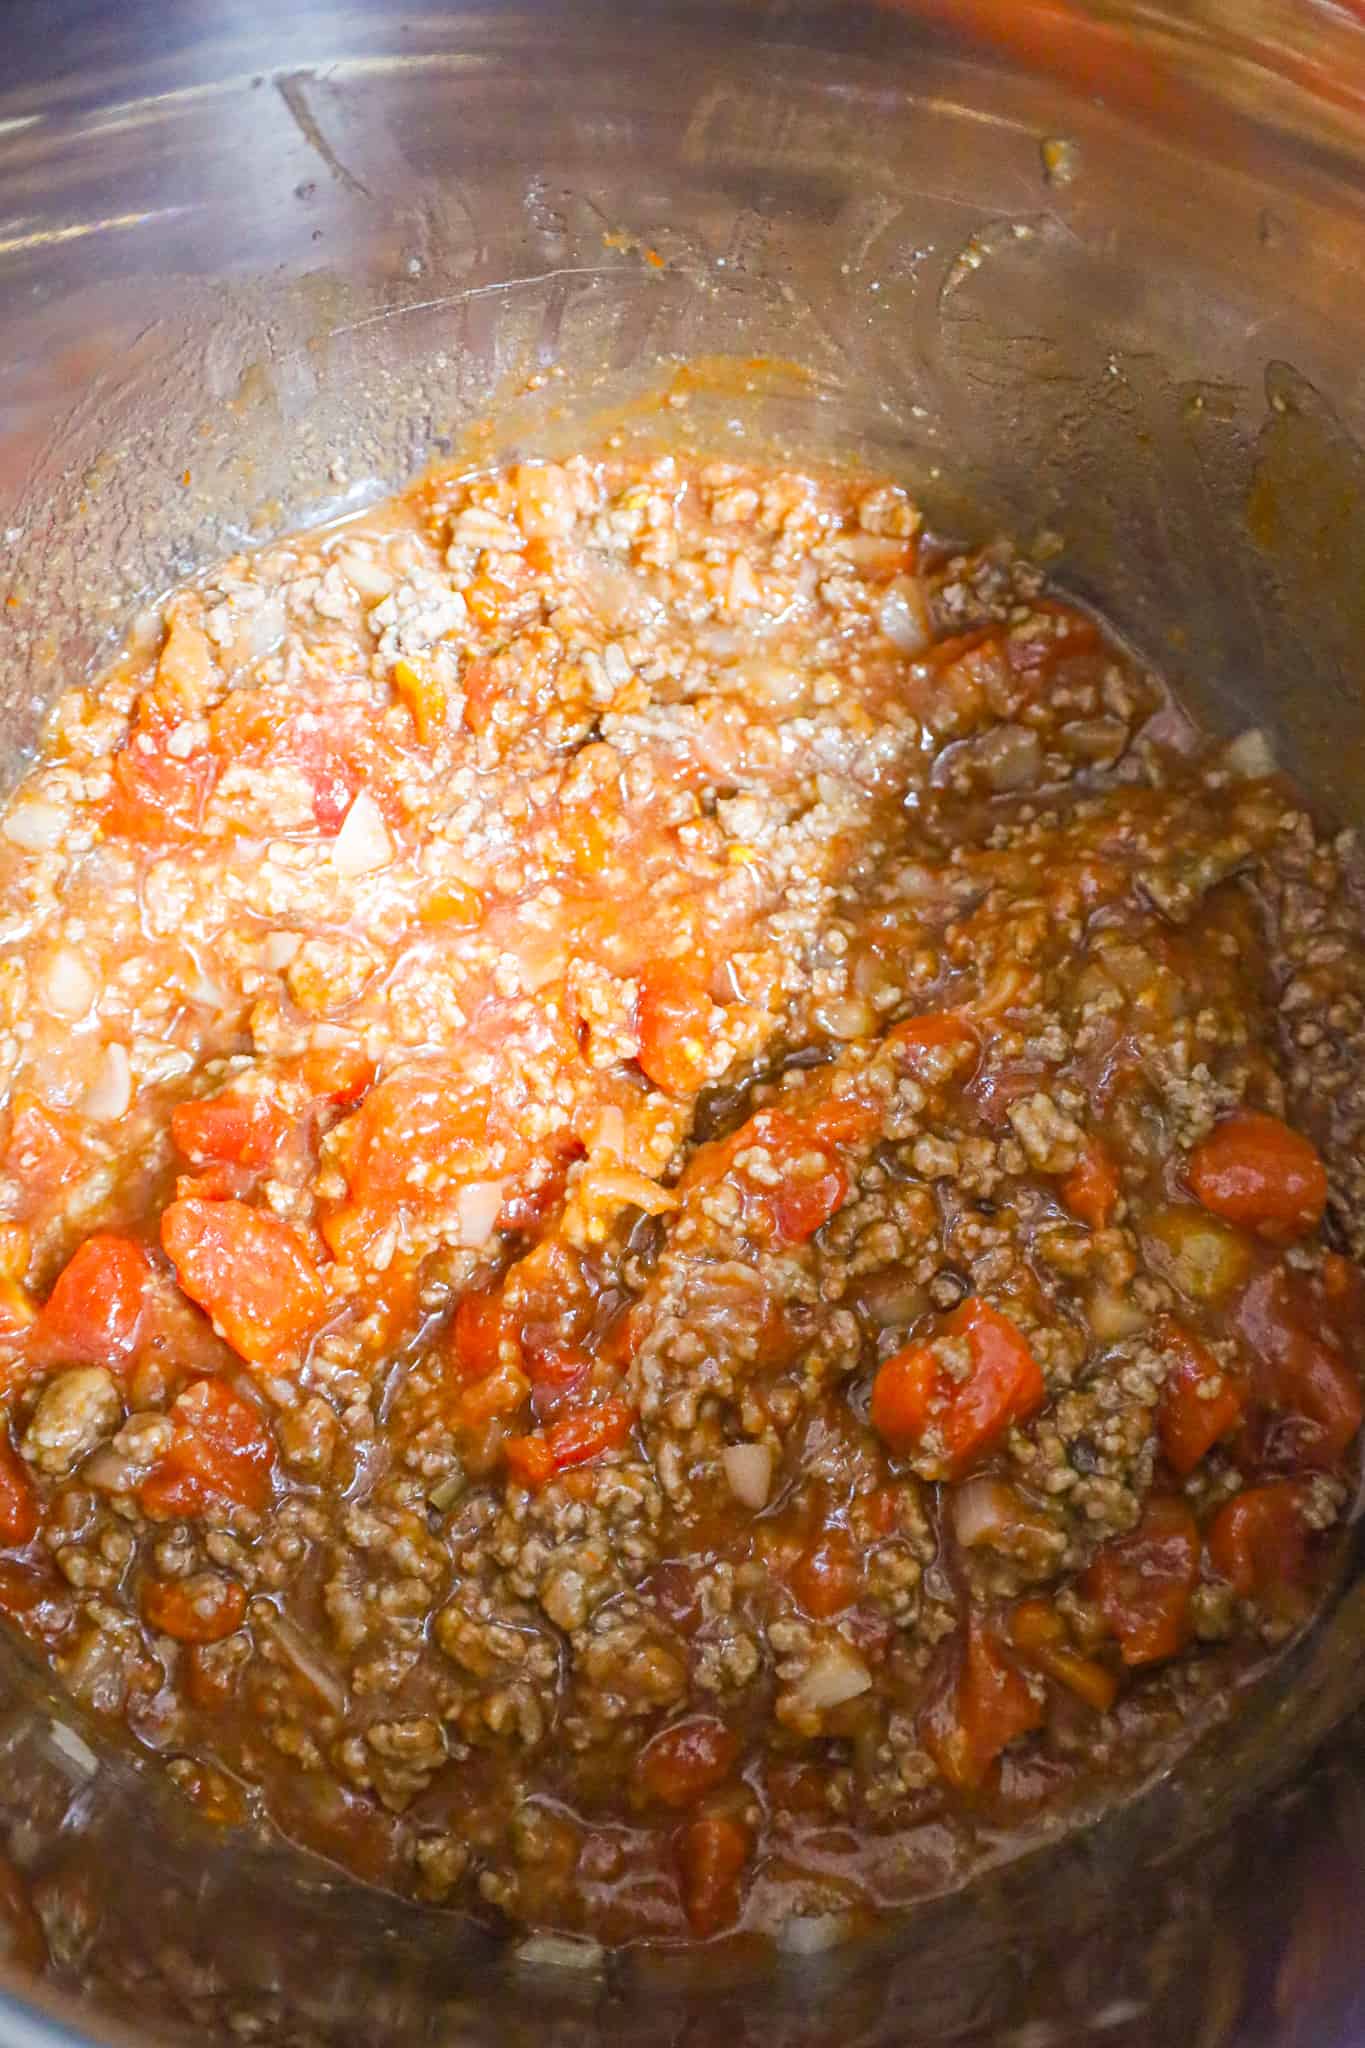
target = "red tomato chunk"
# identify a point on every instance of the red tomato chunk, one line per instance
(1254, 1170)
(249, 1272)
(94, 1313)
(1143, 1583)
(955, 1416)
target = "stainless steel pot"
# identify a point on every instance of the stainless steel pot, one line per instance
(1092, 275)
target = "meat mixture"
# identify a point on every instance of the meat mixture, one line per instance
(681, 1179)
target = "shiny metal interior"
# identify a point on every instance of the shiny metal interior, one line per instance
(258, 264)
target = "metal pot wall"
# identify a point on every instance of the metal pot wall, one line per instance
(1091, 276)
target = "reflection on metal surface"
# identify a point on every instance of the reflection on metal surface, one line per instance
(77, 231)
(840, 188)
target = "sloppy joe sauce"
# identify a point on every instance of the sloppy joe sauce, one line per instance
(679, 1193)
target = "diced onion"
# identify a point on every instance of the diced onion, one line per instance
(279, 948)
(69, 987)
(74, 1748)
(749, 1472)
(982, 1512)
(836, 1673)
(477, 1208)
(905, 615)
(1250, 754)
(306, 1661)
(363, 843)
(560, 1952)
(609, 1132)
(810, 1934)
(35, 825)
(845, 1017)
(618, 1187)
(110, 1093)
(371, 579)
(987, 1511)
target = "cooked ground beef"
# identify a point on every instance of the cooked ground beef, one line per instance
(678, 1197)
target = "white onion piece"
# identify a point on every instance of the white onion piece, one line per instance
(279, 948)
(846, 1017)
(35, 824)
(749, 1473)
(371, 579)
(835, 1674)
(609, 1133)
(363, 843)
(69, 988)
(619, 1187)
(810, 1934)
(477, 1208)
(1250, 754)
(905, 615)
(559, 1952)
(74, 1748)
(984, 1511)
(305, 1659)
(111, 1092)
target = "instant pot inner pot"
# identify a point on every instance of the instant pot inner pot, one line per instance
(253, 279)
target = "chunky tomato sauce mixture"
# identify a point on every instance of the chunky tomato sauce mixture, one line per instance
(680, 1180)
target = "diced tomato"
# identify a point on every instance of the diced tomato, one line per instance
(712, 1855)
(219, 1183)
(802, 1206)
(93, 1315)
(481, 691)
(1254, 1170)
(587, 842)
(938, 1047)
(917, 1404)
(530, 1460)
(1303, 1368)
(237, 1130)
(826, 1577)
(500, 1392)
(577, 1439)
(1091, 1189)
(1259, 1542)
(554, 1372)
(453, 905)
(158, 797)
(482, 1335)
(574, 1440)
(673, 1015)
(1142, 1583)
(1201, 1402)
(335, 783)
(684, 1762)
(222, 1454)
(41, 1152)
(987, 1705)
(249, 1272)
(201, 1609)
(339, 1074)
(21, 1588)
(422, 690)
(18, 1499)
(416, 1136)
(805, 1195)
(1039, 1633)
